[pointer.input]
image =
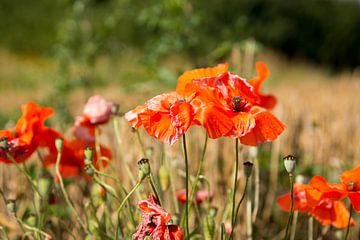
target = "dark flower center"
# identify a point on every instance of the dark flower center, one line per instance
(238, 104)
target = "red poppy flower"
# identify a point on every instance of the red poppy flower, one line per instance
(230, 106)
(308, 200)
(166, 117)
(24, 139)
(265, 101)
(200, 196)
(154, 222)
(83, 129)
(349, 187)
(97, 110)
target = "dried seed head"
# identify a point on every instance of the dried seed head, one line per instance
(59, 144)
(290, 163)
(248, 168)
(11, 206)
(88, 155)
(144, 168)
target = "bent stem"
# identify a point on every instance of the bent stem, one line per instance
(291, 176)
(238, 207)
(121, 206)
(67, 199)
(235, 187)
(349, 221)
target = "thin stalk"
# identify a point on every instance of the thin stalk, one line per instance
(33, 229)
(222, 232)
(97, 143)
(311, 228)
(197, 178)
(349, 221)
(238, 207)
(257, 189)
(291, 205)
(141, 142)
(153, 187)
(293, 227)
(67, 199)
(186, 187)
(235, 187)
(121, 206)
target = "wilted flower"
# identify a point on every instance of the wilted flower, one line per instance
(154, 222)
(97, 110)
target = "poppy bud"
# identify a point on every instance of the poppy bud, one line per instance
(59, 144)
(89, 155)
(11, 206)
(144, 168)
(31, 220)
(4, 143)
(248, 168)
(44, 186)
(89, 170)
(164, 176)
(290, 163)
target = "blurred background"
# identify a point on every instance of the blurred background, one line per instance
(60, 52)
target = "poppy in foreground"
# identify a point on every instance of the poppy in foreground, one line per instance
(154, 222)
(308, 200)
(349, 187)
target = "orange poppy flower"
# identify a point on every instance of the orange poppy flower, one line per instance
(349, 187)
(308, 200)
(166, 117)
(24, 139)
(265, 101)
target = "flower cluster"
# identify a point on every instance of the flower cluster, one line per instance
(323, 200)
(225, 104)
(30, 135)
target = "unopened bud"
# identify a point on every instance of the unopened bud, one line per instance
(89, 155)
(31, 220)
(290, 163)
(11, 206)
(59, 144)
(44, 186)
(4, 143)
(144, 168)
(248, 168)
(89, 170)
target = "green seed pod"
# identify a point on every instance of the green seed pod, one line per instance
(164, 175)
(31, 220)
(59, 144)
(248, 166)
(290, 163)
(144, 168)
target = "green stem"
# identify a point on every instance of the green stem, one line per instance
(58, 174)
(235, 187)
(310, 228)
(238, 207)
(33, 229)
(186, 187)
(141, 142)
(293, 227)
(349, 221)
(291, 205)
(153, 186)
(121, 206)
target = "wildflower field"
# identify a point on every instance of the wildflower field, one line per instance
(138, 122)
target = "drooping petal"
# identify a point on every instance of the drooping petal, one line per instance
(267, 127)
(133, 116)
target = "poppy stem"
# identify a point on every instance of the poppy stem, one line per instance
(349, 221)
(293, 227)
(186, 187)
(238, 207)
(121, 206)
(310, 228)
(141, 143)
(233, 216)
(291, 176)
(153, 187)
(58, 174)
